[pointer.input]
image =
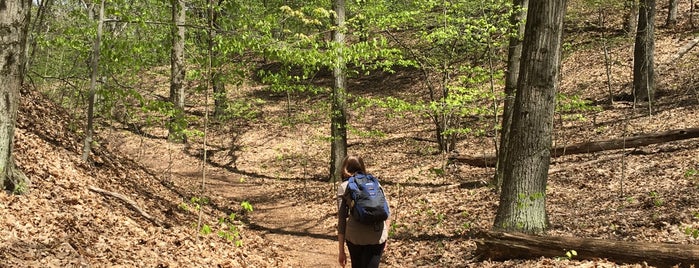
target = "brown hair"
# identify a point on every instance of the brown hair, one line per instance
(351, 165)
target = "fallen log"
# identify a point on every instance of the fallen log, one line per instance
(499, 246)
(686, 48)
(593, 146)
(128, 201)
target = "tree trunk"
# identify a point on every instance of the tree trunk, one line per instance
(643, 61)
(672, 13)
(177, 69)
(38, 26)
(218, 86)
(505, 246)
(523, 198)
(93, 85)
(14, 21)
(596, 146)
(513, 64)
(691, 13)
(338, 124)
(631, 17)
(217, 75)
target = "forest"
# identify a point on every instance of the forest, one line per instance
(202, 133)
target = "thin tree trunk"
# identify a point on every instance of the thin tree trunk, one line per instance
(177, 69)
(38, 26)
(14, 22)
(338, 125)
(691, 13)
(218, 83)
(522, 206)
(631, 17)
(93, 86)
(512, 74)
(643, 63)
(607, 60)
(671, 20)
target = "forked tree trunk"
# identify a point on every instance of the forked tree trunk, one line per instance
(514, 56)
(522, 205)
(14, 21)
(338, 113)
(643, 59)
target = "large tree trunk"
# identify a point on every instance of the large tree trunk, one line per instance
(672, 13)
(512, 74)
(506, 246)
(643, 60)
(338, 123)
(14, 21)
(523, 198)
(94, 65)
(177, 69)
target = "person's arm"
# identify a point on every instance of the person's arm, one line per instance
(342, 255)
(342, 213)
(388, 224)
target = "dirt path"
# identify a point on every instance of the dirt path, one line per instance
(297, 218)
(307, 245)
(300, 228)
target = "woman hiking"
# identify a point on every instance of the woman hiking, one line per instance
(365, 242)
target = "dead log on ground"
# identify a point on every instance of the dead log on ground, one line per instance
(505, 246)
(127, 201)
(593, 146)
(686, 48)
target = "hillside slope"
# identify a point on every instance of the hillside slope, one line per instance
(61, 223)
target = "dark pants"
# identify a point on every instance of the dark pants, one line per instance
(365, 256)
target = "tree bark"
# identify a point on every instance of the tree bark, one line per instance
(671, 20)
(691, 13)
(177, 69)
(14, 21)
(631, 17)
(505, 246)
(338, 121)
(217, 76)
(643, 60)
(94, 66)
(523, 198)
(595, 146)
(512, 74)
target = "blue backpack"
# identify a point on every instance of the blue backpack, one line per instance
(367, 201)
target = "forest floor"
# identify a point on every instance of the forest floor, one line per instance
(135, 205)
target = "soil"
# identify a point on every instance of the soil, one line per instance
(277, 161)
